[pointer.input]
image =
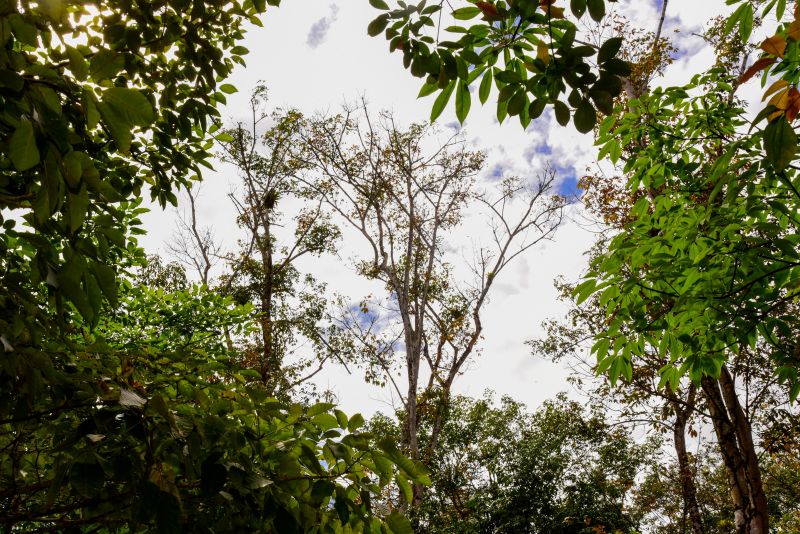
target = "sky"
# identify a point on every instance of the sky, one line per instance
(315, 55)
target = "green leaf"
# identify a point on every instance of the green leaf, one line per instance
(517, 103)
(405, 488)
(228, 89)
(399, 524)
(603, 100)
(609, 49)
(585, 117)
(597, 9)
(618, 67)
(356, 422)
(131, 104)
(105, 64)
(780, 9)
(463, 100)
(318, 408)
(734, 18)
(379, 4)
(578, 7)
(22, 148)
(780, 143)
(441, 100)
(427, 89)
(561, 112)
(77, 205)
(466, 13)
(485, 87)
(378, 25)
(77, 64)
(325, 421)
(746, 22)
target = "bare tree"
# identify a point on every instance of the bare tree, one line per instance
(407, 193)
(194, 245)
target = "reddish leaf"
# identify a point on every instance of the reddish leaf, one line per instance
(756, 67)
(793, 105)
(489, 10)
(793, 31)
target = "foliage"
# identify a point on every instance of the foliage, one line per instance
(528, 50)
(157, 429)
(283, 223)
(501, 469)
(715, 228)
(405, 190)
(120, 406)
(99, 100)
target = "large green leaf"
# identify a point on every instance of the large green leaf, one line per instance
(780, 143)
(585, 117)
(130, 104)
(441, 100)
(399, 524)
(463, 100)
(22, 148)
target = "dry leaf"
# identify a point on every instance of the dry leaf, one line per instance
(775, 45)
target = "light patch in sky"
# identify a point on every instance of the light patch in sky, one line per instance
(319, 30)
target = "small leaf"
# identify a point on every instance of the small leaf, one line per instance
(379, 4)
(227, 88)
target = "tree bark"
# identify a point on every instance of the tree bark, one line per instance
(735, 440)
(688, 488)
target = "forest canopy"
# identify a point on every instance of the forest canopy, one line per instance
(183, 392)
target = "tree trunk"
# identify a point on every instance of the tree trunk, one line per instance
(735, 440)
(688, 488)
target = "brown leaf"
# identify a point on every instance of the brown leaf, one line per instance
(793, 31)
(553, 11)
(775, 45)
(489, 10)
(756, 67)
(542, 52)
(793, 107)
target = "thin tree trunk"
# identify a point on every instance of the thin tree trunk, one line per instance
(688, 488)
(759, 521)
(738, 454)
